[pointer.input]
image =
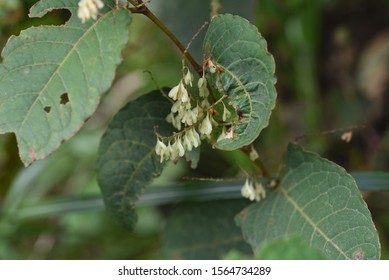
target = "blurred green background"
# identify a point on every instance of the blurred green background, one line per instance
(332, 61)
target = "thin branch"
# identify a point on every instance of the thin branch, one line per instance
(145, 11)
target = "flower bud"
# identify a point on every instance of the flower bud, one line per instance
(226, 113)
(212, 67)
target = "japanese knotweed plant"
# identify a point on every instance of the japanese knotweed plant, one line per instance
(51, 81)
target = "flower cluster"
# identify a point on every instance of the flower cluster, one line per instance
(194, 117)
(253, 190)
(88, 9)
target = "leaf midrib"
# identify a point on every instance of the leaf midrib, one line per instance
(309, 220)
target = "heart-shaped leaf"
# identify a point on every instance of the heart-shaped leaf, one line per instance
(52, 77)
(127, 160)
(245, 73)
(318, 200)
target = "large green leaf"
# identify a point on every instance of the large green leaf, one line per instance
(318, 200)
(127, 160)
(291, 247)
(52, 77)
(204, 231)
(247, 75)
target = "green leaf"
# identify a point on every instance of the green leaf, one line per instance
(247, 75)
(52, 77)
(127, 160)
(318, 200)
(291, 247)
(204, 231)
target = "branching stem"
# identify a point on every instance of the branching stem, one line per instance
(142, 9)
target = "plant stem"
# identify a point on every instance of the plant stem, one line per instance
(145, 11)
(140, 8)
(257, 162)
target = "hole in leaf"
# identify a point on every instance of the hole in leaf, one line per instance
(47, 109)
(55, 17)
(64, 99)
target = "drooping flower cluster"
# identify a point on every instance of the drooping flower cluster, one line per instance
(88, 9)
(253, 190)
(192, 116)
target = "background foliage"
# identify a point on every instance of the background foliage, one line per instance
(331, 58)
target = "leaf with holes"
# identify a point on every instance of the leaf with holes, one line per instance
(127, 160)
(245, 72)
(204, 231)
(52, 77)
(318, 200)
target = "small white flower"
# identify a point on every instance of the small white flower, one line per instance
(260, 192)
(176, 106)
(174, 120)
(178, 148)
(187, 143)
(170, 153)
(162, 150)
(179, 92)
(88, 9)
(205, 104)
(160, 147)
(203, 89)
(205, 128)
(193, 137)
(189, 117)
(174, 92)
(188, 78)
(248, 190)
(253, 190)
(202, 83)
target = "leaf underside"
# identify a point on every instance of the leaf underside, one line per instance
(52, 77)
(247, 75)
(127, 161)
(318, 200)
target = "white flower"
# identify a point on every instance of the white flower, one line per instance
(189, 117)
(203, 89)
(193, 137)
(169, 154)
(174, 120)
(205, 104)
(253, 191)
(176, 106)
(188, 78)
(187, 143)
(248, 190)
(160, 147)
(173, 93)
(179, 92)
(178, 148)
(162, 150)
(88, 9)
(205, 128)
(260, 192)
